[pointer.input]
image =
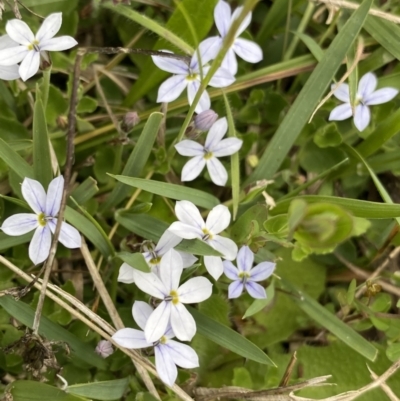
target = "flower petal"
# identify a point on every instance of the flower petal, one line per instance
(218, 219)
(342, 92)
(222, 17)
(224, 245)
(69, 236)
(39, 247)
(6, 42)
(9, 72)
(245, 23)
(171, 88)
(185, 231)
(171, 270)
(193, 168)
(218, 173)
(380, 96)
(341, 112)
(245, 259)
(165, 366)
(157, 323)
(227, 147)
(187, 259)
(141, 312)
(182, 322)
(204, 102)
(262, 271)
(20, 224)
(150, 284)
(33, 192)
(174, 66)
(195, 290)
(235, 289)
(50, 26)
(20, 32)
(187, 213)
(255, 290)
(367, 84)
(125, 274)
(230, 270)
(221, 79)
(247, 50)
(58, 44)
(13, 55)
(209, 49)
(229, 63)
(362, 117)
(182, 355)
(214, 266)
(189, 148)
(166, 242)
(54, 195)
(216, 133)
(131, 339)
(30, 65)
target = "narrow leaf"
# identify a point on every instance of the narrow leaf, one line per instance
(136, 260)
(14, 161)
(259, 304)
(85, 191)
(107, 390)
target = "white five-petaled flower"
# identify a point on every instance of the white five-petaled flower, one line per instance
(29, 48)
(366, 96)
(207, 155)
(191, 225)
(245, 49)
(168, 353)
(171, 309)
(189, 75)
(246, 276)
(43, 221)
(8, 72)
(153, 257)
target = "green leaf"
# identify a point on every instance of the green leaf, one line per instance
(85, 191)
(172, 191)
(41, 148)
(259, 304)
(52, 331)
(309, 97)
(330, 322)
(135, 260)
(228, 338)
(7, 242)
(328, 136)
(312, 45)
(107, 390)
(137, 159)
(14, 161)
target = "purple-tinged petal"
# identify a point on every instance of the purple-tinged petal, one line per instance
(104, 348)
(174, 66)
(182, 355)
(171, 88)
(165, 366)
(204, 101)
(20, 32)
(222, 78)
(30, 65)
(187, 213)
(380, 96)
(58, 44)
(171, 270)
(50, 26)
(54, 195)
(214, 266)
(235, 289)
(227, 147)
(224, 245)
(245, 23)
(9, 72)
(230, 270)
(141, 311)
(166, 242)
(189, 148)
(367, 85)
(193, 168)
(218, 219)
(150, 284)
(20, 224)
(195, 290)
(69, 236)
(342, 92)
(248, 50)
(39, 247)
(255, 290)
(222, 17)
(362, 117)
(125, 274)
(262, 271)
(131, 339)
(245, 259)
(216, 133)
(13, 55)
(209, 49)
(187, 259)
(33, 192)
(157, 323)
(341, 112)
(217, 171)
(229, 63)
(182, 322)
(186, 231)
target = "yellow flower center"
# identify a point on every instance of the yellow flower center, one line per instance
(175, 297)
(155, 261)
(244, 276)
(192, 77)
(33, 45)
(207, 235)
(163, 340)
(42, 219)
(208, 155)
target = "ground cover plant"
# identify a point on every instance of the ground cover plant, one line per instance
(199, 200)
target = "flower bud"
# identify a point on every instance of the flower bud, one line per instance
(205, 120)
(104, 348)
(131, 119)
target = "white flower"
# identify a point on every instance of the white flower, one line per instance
(245, 275)
(366, 96)
(153, 257)
(28, 47)
(191, 225)
(214, 147)
(8, 72)
(245, 49)
(104, 348)
(188, 76)
(168, 353)
(171, 309)
(43, 221)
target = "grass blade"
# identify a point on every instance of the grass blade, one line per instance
(14, 161)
